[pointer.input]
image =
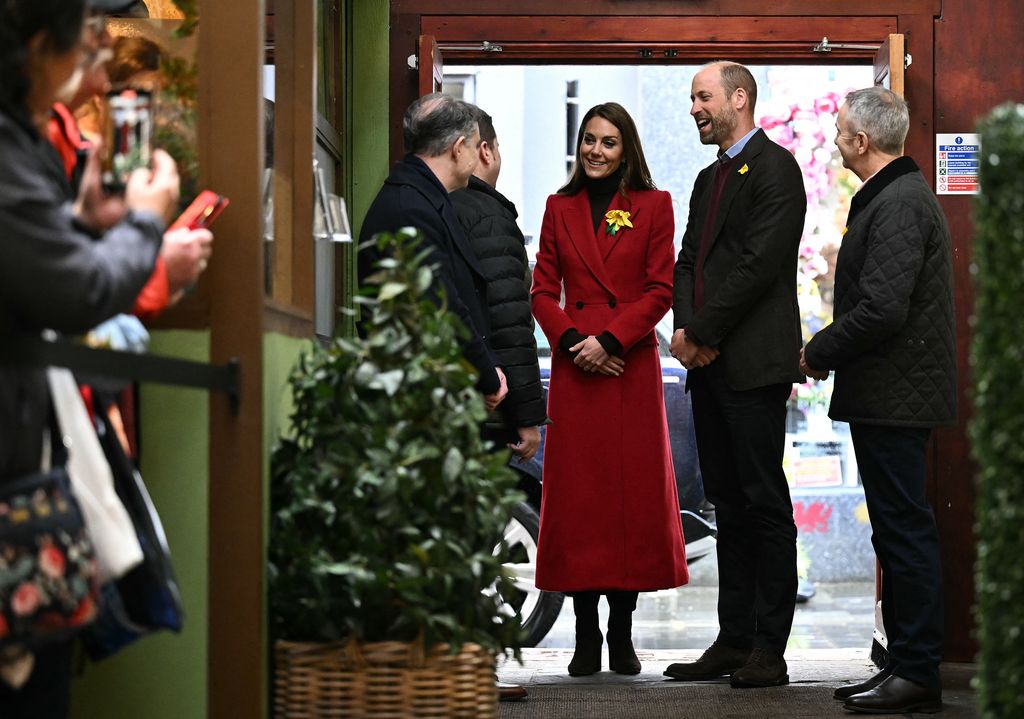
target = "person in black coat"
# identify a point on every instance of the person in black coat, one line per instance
(737, 329)
(489, 220)
(441, 141)
(892, 346)
(62, 269)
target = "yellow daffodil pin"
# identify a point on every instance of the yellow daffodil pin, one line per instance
(745, 169)
(616, 219)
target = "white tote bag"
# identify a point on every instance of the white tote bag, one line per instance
(110, 528)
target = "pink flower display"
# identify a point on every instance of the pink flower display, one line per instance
(806, 127)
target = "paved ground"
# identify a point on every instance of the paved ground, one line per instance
(828, 647)
(814, 673)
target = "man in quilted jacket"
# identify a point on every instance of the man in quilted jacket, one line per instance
(892, 348)
(489, 220)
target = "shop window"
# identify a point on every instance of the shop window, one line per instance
(305, 130)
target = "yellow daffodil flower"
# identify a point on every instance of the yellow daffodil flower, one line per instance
(745, 169)
(616, 219)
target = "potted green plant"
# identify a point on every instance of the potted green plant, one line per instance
(387, 508)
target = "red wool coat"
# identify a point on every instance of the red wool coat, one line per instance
(609, 513)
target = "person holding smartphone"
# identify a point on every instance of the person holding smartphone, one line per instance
(185, 253)
(55, 274)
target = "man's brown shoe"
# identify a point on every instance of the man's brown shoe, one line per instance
(511, 692)
(896, 695)
(867, 685)
(765, 668)
(719, 660)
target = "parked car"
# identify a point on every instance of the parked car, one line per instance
(538, 609)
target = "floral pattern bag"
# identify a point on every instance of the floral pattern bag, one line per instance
(48, 589)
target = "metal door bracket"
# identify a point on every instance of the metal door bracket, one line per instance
(826, 46)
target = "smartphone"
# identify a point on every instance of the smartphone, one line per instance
(202, 212)
(128, 136)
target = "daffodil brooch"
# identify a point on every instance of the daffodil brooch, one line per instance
(616, 219)
(745, 169)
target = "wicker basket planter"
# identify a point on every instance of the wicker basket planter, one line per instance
(382, 680)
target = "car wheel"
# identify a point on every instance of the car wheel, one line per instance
(538, 609)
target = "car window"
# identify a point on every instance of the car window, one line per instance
(543, 348)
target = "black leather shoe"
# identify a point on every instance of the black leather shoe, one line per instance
(867, 685)
(719, 660)
(765, 668)
(511, 692)
(896, 695)
(586, 660)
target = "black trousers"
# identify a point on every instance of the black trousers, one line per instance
(906, 541)
(741, 438)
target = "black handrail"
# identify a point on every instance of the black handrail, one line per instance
(59, 352)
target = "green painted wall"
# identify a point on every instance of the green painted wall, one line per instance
(366, 119)
(279, 356)
(164, 675)
(368, 109)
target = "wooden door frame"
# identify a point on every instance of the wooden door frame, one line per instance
(728, 23)
(608, 39)
(231, 160)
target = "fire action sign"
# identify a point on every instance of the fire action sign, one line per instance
(957, 158)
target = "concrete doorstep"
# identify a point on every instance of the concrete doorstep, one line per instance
(814, 674)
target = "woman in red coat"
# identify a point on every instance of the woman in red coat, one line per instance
(610, 514)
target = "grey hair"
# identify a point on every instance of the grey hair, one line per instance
(880, 114)
(434, 123)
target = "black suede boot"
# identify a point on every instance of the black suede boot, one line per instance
(621, 656)
(587, 657)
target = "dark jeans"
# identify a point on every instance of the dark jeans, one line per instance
(741, 438)
(47, 693)
(892, 467)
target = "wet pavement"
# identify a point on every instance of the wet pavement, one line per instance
(829, 646)
(839, 616)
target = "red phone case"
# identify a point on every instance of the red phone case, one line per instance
(202, 212)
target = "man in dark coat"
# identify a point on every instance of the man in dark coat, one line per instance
(489, 220)
(737, 329)
(441, 138)
(892, 346)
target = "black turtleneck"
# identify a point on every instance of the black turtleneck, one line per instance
(600, 193)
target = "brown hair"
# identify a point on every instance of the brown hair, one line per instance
(735, 76)
(133, 55)
(635, 174)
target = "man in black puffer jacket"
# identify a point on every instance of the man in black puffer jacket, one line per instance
(489, 220)
(490, 223)
(892, 346)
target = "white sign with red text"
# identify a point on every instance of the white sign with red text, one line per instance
(957, 158)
